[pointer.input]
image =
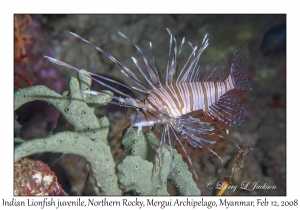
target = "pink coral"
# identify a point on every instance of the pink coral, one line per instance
(33, 177)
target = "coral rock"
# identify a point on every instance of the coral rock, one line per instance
(33, 177)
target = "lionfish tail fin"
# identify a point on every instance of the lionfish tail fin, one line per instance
(239, 68)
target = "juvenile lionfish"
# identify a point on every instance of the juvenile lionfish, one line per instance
(168, 102)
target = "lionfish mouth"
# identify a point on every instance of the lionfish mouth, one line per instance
(169, 100)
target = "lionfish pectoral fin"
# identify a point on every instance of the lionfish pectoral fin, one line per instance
(171, 147)
(191, 129)
(139, 130)
(92, 76)
(175, 131)
(131, 125)
(194, 172)
(96, 93)
(235, 144)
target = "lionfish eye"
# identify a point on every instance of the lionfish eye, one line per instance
(141, 109)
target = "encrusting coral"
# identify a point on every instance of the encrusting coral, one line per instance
(141, 169)
(89, 136)
(148, 175)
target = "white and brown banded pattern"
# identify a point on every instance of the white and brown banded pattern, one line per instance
(169, 101)
(181, 98)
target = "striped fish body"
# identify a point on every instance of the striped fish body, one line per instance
(182, 98)
(169, 100)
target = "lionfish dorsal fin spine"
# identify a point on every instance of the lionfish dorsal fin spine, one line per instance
(129, 73)
(146, 78)
(160, 79)
(136, 80)
(179, 79)
(173, 63)
(193, 64)
(154, 78)
(170, 50)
